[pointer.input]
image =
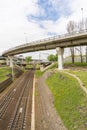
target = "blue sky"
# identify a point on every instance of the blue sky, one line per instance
(24, 21)
(50, 11)
(53, 10)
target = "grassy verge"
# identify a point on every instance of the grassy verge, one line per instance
(3, 72)
(29, 66)
(69, 100)
(76, 64)
(55, 65)
(82, 75)
(38, 73)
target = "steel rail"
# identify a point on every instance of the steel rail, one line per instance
(18, 117)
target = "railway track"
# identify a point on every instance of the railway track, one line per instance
(7, 99)
(13, 107)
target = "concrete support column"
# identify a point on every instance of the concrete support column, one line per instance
(12, 65)
(41, 67)
(60, 52)
(7, 61)
(11, 61)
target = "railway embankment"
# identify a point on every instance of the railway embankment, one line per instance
(16, 104)
(5, 84)
(66, 96)
(6, 77)
(46, 117)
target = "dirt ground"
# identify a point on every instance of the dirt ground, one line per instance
(46, 117)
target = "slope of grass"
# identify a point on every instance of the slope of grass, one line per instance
(3, 72)
(69, 100)
(82, 75)
(55, 65)
(76, 64)
(38, 73)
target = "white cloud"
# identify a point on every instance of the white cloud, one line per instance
(15, 27)
(13, 22)
(59, 26)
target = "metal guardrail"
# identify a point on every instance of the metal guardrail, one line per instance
(47, 39)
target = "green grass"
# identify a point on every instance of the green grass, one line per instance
(82, 75)
(69, 64)
(37, 66)
(3, 72)
(29, 66)
(55, 65)
(38, 73)
(76, 64)
(69, 100)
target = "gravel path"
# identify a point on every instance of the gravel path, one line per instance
(46, 117)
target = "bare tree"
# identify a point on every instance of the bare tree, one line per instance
(72, 53)
(71, 26)
(80, 51)
(81, 54)
(83, 25)
(80, 26)
(86, 30)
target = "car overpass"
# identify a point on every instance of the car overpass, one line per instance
(57, 42)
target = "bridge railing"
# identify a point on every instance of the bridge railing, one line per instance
(47, 39)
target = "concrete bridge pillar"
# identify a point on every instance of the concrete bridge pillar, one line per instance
(12, 65)
(41, 67)
(7, 61)
(11, 61)
(60, 52)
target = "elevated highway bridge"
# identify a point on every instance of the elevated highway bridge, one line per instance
(57, 42)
